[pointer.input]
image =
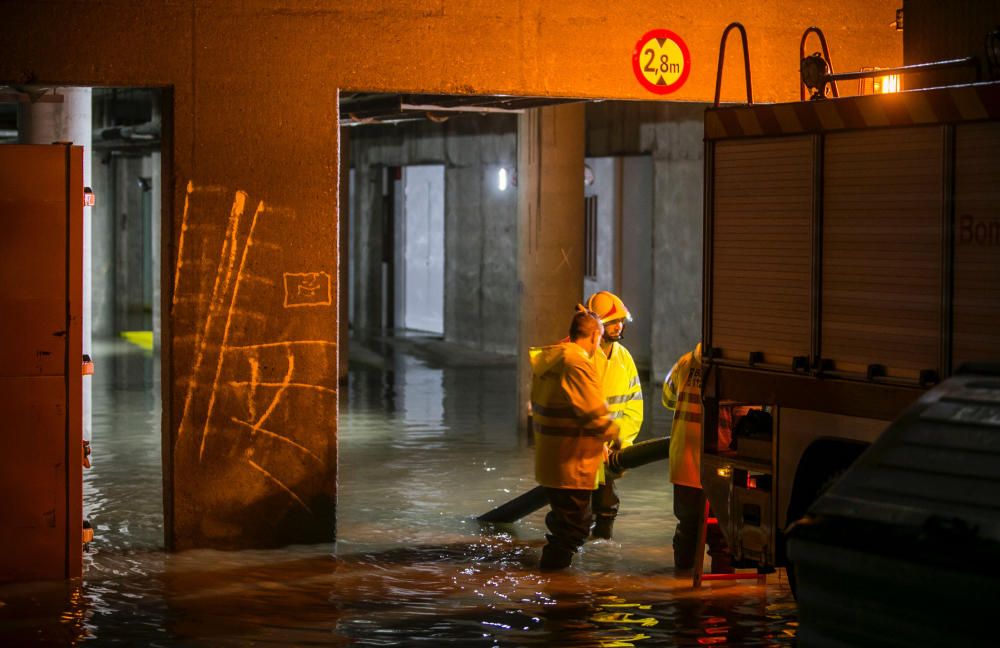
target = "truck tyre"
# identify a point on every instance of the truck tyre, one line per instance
(821, 466)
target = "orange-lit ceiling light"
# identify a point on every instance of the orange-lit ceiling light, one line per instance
(881, 84)
(888, 83)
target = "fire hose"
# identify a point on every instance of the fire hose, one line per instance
(527, 503)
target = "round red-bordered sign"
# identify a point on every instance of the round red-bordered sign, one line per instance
(661, 61)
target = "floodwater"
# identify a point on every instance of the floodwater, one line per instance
(424, 449)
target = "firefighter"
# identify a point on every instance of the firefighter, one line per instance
(571, 427)
(682, 394)
(620, 384)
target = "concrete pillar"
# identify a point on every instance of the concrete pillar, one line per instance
(550, 145)
(366, 274)
(250, 358)
(343, 236)
(70, 120)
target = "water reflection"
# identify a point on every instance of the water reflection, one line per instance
(427, 442)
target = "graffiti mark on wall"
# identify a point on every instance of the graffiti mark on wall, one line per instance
(254, 383)
(215, 304)
(307, 289)
(234, 381)
(565, 260)
(229, 318)
(277, 482)
(180, 241)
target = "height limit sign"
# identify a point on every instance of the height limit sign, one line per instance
(661, 61)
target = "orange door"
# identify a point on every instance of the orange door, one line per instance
(41, 298)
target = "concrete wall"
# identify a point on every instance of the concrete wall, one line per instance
(250, 113)
(672, 134)
(480, 221)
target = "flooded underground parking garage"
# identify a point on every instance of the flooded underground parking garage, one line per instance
(426, 446)
(305, 253)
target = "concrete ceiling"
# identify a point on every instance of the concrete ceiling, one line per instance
(358, 109)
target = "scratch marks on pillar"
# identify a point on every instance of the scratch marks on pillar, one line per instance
(254, 382)
(180, 241)
(281, 343)
(256, 429)
(277, 397)
(319, 388)
(235, 213)
(565, 260)
(229, 316)
(277, 482)
(235, 307)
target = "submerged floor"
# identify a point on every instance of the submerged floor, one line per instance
(425, 446)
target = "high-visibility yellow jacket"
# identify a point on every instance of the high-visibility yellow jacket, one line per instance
(682, 393)
(569, 416)
(620, 384)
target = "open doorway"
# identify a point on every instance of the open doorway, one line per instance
(419, 249)
(123, 488)
(644, 185)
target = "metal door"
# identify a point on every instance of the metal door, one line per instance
(41, 298)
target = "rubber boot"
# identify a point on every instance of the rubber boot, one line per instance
(602, 528)
(554, 558)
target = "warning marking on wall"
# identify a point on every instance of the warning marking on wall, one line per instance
(661, 61)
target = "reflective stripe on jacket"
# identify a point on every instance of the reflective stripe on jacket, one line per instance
(569, 417)
(682, 393)
(620, 384)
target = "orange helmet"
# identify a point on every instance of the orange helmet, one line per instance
(608, 307)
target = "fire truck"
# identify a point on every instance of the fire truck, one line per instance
(851, 261)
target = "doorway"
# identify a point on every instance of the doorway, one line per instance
(419, 249)
(126, 262)
(618, 236)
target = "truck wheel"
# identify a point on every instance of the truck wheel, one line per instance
(801, 506)
(823, 487)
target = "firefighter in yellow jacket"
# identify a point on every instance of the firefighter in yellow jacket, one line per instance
(571, 426)
(682, 394)
(620, 385)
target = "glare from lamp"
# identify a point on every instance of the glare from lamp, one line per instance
(887, 84)
(502, 182)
